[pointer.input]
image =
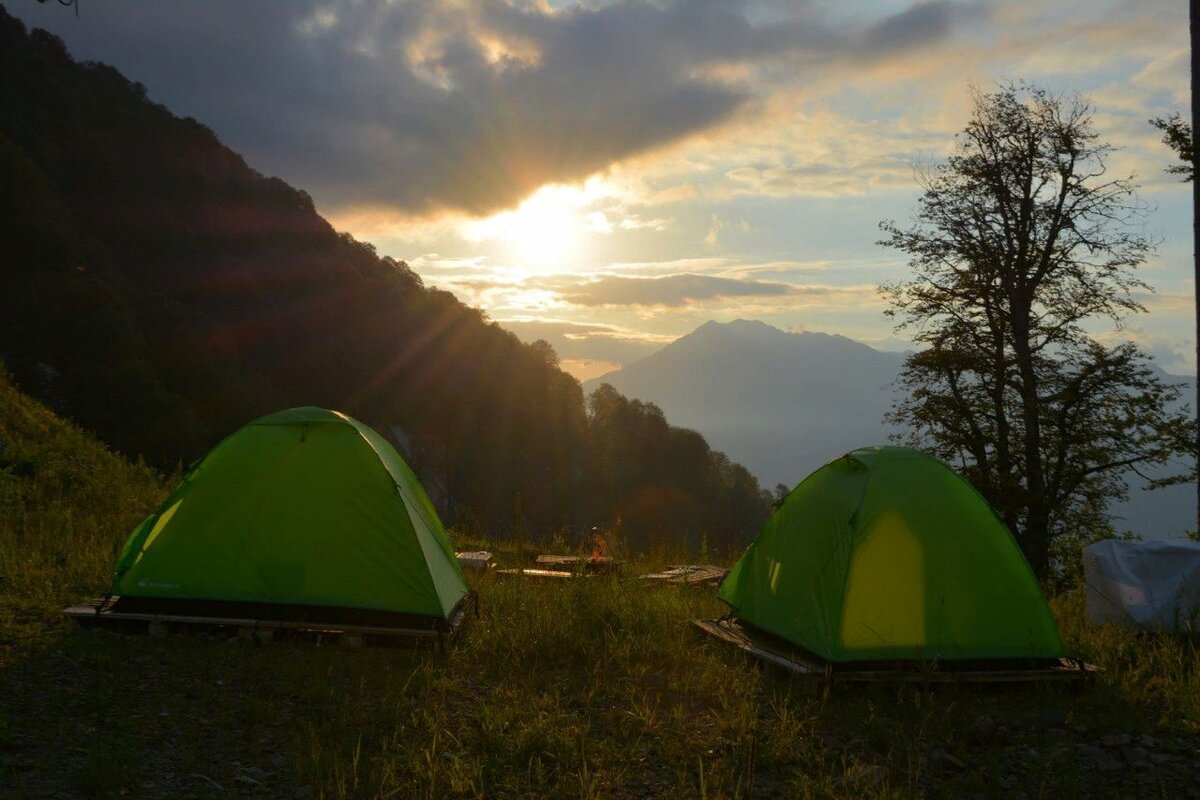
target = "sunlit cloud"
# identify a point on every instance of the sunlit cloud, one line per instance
(711, 265)
(543, 230)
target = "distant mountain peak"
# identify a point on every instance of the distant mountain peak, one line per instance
(738, 327)
(762, 333)
(751, 324)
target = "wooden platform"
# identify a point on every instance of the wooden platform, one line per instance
(98, 613)
(690, 574)
(475, 559)
(776, 652)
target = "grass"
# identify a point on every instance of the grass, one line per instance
(588, 688)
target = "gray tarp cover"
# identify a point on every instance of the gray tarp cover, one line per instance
(1152, 585)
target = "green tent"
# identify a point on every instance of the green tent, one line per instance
(888, 554)
(307, 510)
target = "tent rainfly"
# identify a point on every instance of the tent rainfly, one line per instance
(304, 512)
(887, 554)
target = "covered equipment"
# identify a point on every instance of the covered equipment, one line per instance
(1149, 585)
(305, 513)
(888, 554)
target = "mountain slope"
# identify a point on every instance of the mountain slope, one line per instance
(157, 290)
(781, 403)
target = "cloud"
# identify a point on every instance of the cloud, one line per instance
(918, 25)
(583, 342)
(1175, 355)
(715, 224)
(660, 268)
(468, 106)
(671, 291)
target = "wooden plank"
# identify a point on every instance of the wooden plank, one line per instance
(742, 642)
(689, 574)
(263, 629)
(540, 573)
(563, 560)
(799, 663)
(550, 560)
(475, 559)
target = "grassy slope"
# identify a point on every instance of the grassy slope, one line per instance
(66, 505)
(595, 688)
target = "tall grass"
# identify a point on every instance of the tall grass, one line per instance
(66, 504)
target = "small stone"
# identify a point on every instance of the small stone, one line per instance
(1052, 718)
(1099, 758)
(1134, 754)
(984, 725)
(942, 756)
(1116, 740)
(1056, 735)
(1147, 741)
(1160, 758)
(302, 793)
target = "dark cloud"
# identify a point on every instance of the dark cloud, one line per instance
(919, 24)
(424, 106)
(671, 291)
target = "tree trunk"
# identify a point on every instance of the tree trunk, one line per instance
(1194, 13)
(1036, 542)
(1035, 539)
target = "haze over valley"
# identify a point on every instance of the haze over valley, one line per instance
(785, 403)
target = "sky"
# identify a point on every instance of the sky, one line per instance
(610, 175)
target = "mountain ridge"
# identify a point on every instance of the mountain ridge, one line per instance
(783, 403)
(741, 383)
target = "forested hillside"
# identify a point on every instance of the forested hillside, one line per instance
(160, 292)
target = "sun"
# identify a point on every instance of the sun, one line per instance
(541, 233)
(544, 229)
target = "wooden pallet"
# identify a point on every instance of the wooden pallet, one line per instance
(776, 652)
(476, 559)
(690, 574)
(98, 613)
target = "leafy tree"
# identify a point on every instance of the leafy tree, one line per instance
(1021, 238)
(545, 351)
(1177, 135)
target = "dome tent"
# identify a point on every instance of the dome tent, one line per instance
(308, 512)
(887, 554)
